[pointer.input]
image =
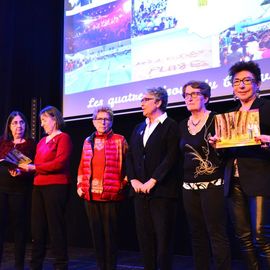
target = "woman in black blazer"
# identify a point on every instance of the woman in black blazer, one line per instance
(247, 172)
(152, 172)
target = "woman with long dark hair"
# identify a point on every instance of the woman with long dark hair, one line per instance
(15, 185)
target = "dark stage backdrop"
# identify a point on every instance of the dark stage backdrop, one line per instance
(30, 54)
(31, 67)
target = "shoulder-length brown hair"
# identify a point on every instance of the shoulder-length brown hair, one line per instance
(54, 113)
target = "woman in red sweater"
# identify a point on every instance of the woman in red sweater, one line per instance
(50, 193)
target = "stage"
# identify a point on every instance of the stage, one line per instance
(83, 259)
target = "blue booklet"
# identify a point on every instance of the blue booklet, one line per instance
(14, 158)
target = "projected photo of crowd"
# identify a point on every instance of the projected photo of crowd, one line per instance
(97, 26)
(245, 41)
(73, 4)
(151, 16)
(97, 46)
(98, 39)
(98, 67)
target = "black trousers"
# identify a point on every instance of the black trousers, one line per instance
(48, 216)
(155, 222)
(103, 219)
(207, 218)
(15, 206)
(251, 219)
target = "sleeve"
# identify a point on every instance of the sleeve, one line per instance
(80, 168)
(124, 165)
(129, 158)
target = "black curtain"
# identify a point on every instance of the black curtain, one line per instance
(30, 54)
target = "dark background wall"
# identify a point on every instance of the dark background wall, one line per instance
(31, 67)
(30, 54)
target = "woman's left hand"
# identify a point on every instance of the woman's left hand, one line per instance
(264, 139)
(28, 167)
(213, 140)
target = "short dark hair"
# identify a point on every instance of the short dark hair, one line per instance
(106, 109)
(7, 132)
(204, 87)
(250, 66)
(161, 94)
(54, 113)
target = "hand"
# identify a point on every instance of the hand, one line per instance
(80, 192)
(213, 140)
(147, 186)
(15, 172)
(264, 139)
(137, 185)
(27, 167)
(124, 183)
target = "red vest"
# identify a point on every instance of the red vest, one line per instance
(114, 175)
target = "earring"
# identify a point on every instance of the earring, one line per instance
(258, 93)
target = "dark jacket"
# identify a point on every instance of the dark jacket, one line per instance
(253, 161)
(158, 159)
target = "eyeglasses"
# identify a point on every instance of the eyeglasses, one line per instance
(17, 123)
(246, 81)
(106, 120)
(192, 95)
(146, 99)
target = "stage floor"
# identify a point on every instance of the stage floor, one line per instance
(83, 259)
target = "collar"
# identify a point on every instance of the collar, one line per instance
(103, 136)
(257, 103)
(96, 135)
(159, 119)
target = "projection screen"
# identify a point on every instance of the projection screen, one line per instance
(114, 50)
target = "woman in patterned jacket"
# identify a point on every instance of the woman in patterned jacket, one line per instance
(101, 182)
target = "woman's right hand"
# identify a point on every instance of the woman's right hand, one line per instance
(137, 185)
(15, 172)
(264, 140)
(80, 192)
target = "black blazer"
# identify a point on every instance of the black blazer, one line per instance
(158, 159)
(253, 161)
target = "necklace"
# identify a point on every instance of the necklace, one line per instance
(195, 124)
(196, 127)
(193, 127)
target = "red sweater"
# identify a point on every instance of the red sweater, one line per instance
(52, 160)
